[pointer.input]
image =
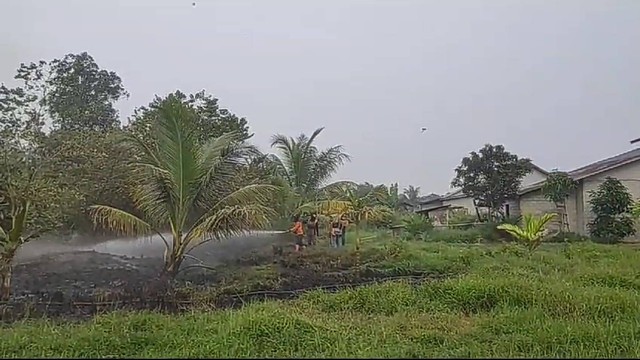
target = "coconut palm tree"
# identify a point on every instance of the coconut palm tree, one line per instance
(305, 168)
(345, 199)
(412, 193)
(187, 187)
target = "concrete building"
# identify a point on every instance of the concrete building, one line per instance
(624, 167)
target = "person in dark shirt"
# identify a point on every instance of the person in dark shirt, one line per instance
(336, 233)
(312, 224)
(344, 223)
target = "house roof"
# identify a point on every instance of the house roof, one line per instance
(606, 164)
(428, 198)
(593, 168)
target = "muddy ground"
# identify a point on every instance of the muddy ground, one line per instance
(71, 283)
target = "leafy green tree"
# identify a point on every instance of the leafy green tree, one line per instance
(23, 109)
(94, 165)
(491, 176)
(305, 168)
(416, 224)
(211, 120)
(82, 96)
(612, 205)
(557, 188)
(187, 187)
(30, 205)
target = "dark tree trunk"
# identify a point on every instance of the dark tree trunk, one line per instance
(6, 269)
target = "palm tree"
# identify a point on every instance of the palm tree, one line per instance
(345, 199)
(187, 187)
(305, 168)
(532, 230)
(412, 193)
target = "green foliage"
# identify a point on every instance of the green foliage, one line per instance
(532, 230)
(304, 167)
(81, 96)
(461, 220)
(612, 205)
(416, 224)
(635, 210)
(491, 176)
(210, 122)
(501, 304)
(456, 236)
(412, 193)
(558, 186)
(566, 237)
(30, 205)
(188, 187)
(23, 108)
(94, 166)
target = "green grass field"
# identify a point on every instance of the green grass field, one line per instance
(578, 300)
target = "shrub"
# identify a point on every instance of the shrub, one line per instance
(416, 224)
(532, 230)
(458, 217)
(612, 204)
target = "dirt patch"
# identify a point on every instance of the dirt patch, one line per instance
(81, 284)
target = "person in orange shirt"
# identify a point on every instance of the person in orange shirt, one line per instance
(298, 232)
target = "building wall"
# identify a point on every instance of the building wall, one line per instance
(514, 206)
(535, 203)
(577, 205)
(533, 177)
(629, 175)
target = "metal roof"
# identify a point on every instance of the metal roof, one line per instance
(593, 168)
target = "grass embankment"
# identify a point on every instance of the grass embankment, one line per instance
(579, 300)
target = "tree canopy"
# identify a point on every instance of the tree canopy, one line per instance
(491, 176)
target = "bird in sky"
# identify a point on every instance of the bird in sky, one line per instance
(424, 129)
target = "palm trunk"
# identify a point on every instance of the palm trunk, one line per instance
(6, 270)
(172, 266)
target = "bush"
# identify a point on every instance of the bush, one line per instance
(458, 218)
(612, 204)
(416, 224)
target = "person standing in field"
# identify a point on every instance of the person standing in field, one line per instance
(298, 232)
(336, 233)
(344, 223)
(312, 225)
(317, 225)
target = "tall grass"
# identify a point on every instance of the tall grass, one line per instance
(566, 300)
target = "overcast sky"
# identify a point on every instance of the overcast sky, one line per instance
(557, 81)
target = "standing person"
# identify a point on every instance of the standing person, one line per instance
(312, 224)
(344, 223)
(336, 233)
(298, 232)
(317, 225)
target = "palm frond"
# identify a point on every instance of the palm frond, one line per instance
(229, 221)
(119, 221)
(177, 152)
